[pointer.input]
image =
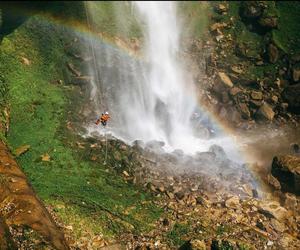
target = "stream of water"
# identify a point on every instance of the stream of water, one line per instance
(154, 99)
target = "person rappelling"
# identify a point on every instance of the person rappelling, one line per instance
(103, 119)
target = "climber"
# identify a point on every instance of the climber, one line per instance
(103, 119)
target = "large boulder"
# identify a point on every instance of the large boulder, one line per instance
(291, 95)
(286, 169)
(265, 112)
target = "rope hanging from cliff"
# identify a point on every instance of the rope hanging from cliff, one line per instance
(105, 149)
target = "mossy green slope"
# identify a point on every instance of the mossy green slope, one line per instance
(39, 108)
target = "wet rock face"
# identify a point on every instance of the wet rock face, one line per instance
(286, 169)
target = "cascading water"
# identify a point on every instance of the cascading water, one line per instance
(152, 99)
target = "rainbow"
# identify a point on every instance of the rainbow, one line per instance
(124, 47)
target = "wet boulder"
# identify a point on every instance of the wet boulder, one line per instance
(286, 169)
(155, 146)
(219, 152)
(291, 95)
(265, 112)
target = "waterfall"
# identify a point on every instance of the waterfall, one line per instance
(153, 98)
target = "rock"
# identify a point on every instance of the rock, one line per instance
(179, 195)
(72, 68)
(6, 240)
(255, 104)
(222, 244)
(219, 152)
(236, 69)
(268, 22)
(274, 98)
(274, 182)
(286, 169)
(273, 53)
(265, 112)
(290, 201)
(279, 227)
(216, 26)
(256, 95)
(244, 110)
(221, 8)
(21, 150)
(234, 91)
(193, 245)
(272, 209)
(225, 79)
(233, 202)
(291, 95)
(295, 148)
(251, 9)
(296, 73)
(25, 60)
(45, 157)
(81, 80)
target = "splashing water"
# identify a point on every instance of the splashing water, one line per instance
(154, 99)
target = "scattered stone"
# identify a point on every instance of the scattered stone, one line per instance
(225, 79)
(296, 73)
(278, 226)
(218, 152)
(268, 22)
(72, 68)
(179, 195)
(292, 95)
(286, 169)
(233, 202)
(236, 69)
(295, 148)
(244, 110)
(22, 150)
(255, 104)
(290, 201)
(273, 53)
(265, 112)
(234, 91)
(193, 245)
(221, 8)
(274, 98)
(216, 26)
(256, 95)
(45, 157)
(25, 60)
(251, 9)
(272, 209)
(274, 182)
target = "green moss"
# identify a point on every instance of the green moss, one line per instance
(287, 36)
(177, 236)
(104, 17)
(195, 18)
(39, 110)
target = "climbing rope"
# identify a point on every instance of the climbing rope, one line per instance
(105, 147)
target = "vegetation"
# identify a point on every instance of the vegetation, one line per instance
(62, 175)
